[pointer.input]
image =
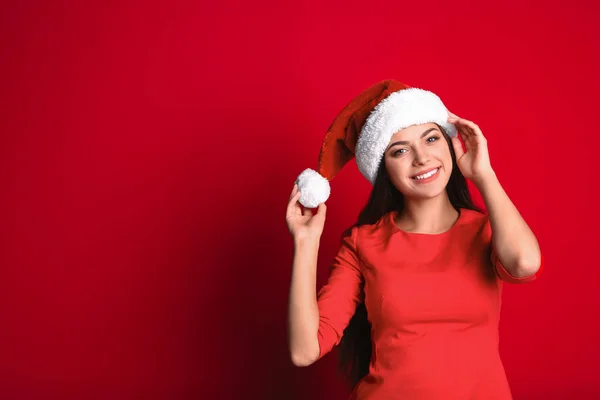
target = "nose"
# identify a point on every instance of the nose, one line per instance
(421, 157)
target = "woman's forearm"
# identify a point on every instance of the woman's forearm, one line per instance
(303, 313)
(514, 243)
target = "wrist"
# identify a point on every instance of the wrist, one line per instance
(306, 241)
(485, 179)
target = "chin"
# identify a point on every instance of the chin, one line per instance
(426, 195)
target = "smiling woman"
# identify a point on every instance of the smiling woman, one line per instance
(413, 295)
(417, 158)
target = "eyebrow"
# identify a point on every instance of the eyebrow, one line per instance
(405, 142)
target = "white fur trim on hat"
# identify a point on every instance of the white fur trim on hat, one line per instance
(314, 188)
(399, 110)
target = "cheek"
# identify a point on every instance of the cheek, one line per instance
(443, 153)
(398, 168)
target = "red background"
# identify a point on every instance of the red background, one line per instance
(148, 151)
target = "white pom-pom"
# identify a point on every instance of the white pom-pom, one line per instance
(314, 188)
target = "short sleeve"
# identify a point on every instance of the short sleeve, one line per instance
(342, 293)
(507, 277)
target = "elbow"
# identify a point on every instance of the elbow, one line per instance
(303, 358)
(528, 267)
(522, 273)
(300, 361)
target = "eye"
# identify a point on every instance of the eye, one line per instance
(398, 151)
(432, 137)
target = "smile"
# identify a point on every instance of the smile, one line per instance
(428, 176)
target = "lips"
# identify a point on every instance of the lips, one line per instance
(423, 172)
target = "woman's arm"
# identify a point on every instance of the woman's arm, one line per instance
(513, 241)
(303, 313)
(317, 320)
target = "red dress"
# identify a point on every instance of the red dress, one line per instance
(433, 301)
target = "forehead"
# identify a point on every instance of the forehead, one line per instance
(413, 131)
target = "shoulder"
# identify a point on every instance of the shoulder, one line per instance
(358, 232)
(381, 227)
(476, 223)
(473, 218)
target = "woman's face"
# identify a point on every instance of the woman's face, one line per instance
(418, 161)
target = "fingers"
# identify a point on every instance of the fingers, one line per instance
(294, 191)
(319, 218)
(293, 208)
(307, 212)
(473, 128)
(465, 126)
(322, 210)
(469, 132)
(458, 148)
(464, 133)
(472, 135)
(468, 128)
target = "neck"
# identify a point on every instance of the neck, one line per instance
(432, 215)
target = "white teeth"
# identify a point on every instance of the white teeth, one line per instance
(427, 175)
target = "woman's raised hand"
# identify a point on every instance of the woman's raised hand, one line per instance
(302, 224)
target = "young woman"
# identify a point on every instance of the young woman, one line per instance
(414, 292)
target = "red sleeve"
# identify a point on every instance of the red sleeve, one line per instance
(507, 277)
(338, 298)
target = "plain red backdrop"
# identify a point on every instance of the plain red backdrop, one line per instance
(147, 155)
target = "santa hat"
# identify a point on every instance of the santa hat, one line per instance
(364, 128)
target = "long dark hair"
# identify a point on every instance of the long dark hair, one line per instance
(354, 350)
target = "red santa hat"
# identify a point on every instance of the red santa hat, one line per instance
(364, 128)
